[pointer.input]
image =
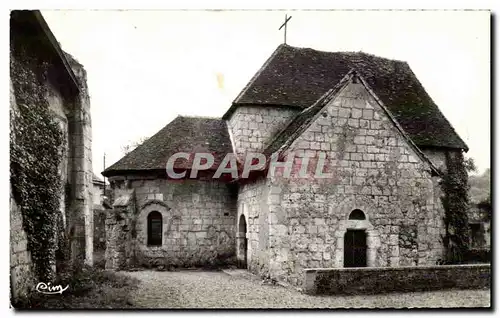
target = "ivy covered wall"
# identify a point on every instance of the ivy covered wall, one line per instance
(50, 157)
(35, 155)
(456, 205)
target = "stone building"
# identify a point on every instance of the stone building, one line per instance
(480, 226)
(98, 188)
(100, 205)
(380, 138)
(68, 101)
(480, 211)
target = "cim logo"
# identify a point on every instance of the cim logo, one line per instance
(47, 289)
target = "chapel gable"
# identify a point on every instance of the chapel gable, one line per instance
(354, 130)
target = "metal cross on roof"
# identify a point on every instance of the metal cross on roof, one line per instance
(284, 24)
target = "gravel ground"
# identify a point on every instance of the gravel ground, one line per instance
(205, 289)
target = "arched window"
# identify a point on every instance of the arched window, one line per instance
(243, 224)
(357, 215)
(155, 228)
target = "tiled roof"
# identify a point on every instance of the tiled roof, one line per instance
(183, 134)
(96, 179)
(298, 77)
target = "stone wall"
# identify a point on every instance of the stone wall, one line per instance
(476, 215)
(437, 157)
(373, 169)
(99, 218)
(61, 109)
(252, 127)
(74, 118)
(21, 266)
(97, 194)
(71, 110)
(80, 214)
(99, 236)
(119, 222)
(198, 217)
(252, 204)
(479, 216)
(22, 278)
(329, 281)
(72, 172)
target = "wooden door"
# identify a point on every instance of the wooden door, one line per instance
(355, 248)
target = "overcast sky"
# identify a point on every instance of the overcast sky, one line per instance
(146, 67)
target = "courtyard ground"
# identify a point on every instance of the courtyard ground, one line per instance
(239, 289)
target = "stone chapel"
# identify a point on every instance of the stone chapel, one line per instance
(383, 139)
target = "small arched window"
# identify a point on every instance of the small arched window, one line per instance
(357, 215)
(243, 225)
(155, 228)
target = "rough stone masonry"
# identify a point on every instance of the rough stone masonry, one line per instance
(375, 170)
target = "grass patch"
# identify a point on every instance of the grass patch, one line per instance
(91, 288)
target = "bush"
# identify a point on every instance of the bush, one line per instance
(473, 256)
(477, 256)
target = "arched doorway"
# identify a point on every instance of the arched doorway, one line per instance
(242, 242)
(355, 241)
(357, 217)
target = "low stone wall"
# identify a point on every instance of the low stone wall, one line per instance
(328, 281)
(119, 251)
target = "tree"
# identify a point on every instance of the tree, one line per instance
(132, 145)
(470, 165)
(486, 204)
(479, 186)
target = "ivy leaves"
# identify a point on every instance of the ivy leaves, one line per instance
(35, 141)
(456, 204)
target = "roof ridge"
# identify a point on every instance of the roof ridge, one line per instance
(297, 77)
(198, 117)
(343, 52)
